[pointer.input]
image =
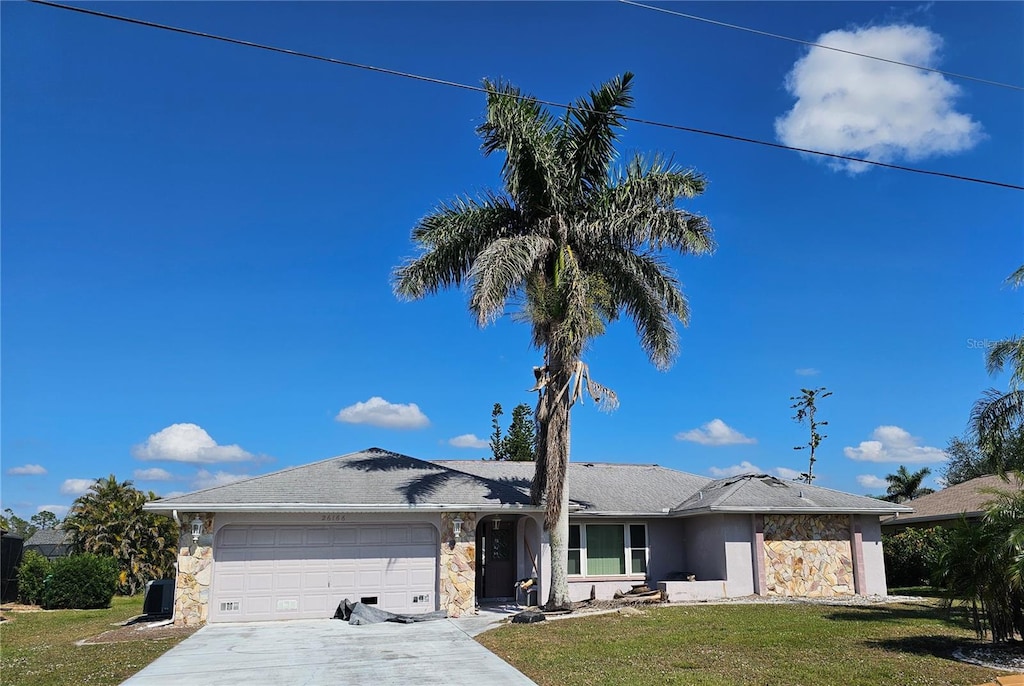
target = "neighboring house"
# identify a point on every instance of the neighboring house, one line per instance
(50, 543)
(414, 536)
(946, 507)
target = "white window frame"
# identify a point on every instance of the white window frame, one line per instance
(627, 548)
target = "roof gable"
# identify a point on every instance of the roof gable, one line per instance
(766, 493)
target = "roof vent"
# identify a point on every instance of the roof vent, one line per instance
(700, 495)
(801, 494)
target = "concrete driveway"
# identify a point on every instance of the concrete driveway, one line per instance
(331, 652)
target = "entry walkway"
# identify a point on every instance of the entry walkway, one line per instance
(330, 652)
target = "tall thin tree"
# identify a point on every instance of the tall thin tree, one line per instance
(806, 407)
(574, 242)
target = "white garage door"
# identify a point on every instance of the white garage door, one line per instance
(303, 572)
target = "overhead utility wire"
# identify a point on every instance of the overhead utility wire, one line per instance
(818, 45)
(479, 89)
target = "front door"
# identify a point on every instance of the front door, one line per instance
(498, 559)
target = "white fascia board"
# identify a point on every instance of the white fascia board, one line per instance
(646, 515)
(787, 510)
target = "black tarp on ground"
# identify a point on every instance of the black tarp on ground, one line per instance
(360, 613)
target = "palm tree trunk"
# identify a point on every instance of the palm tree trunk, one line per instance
(556, 403)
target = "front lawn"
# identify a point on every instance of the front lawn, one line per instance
(38, 648)
(777, 644)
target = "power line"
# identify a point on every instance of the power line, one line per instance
(818, 45)
(479, 89)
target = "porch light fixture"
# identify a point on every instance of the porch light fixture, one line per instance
(457, 527)
(496, 522)
(197, 528)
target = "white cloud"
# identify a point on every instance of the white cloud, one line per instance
(76, 486)
(468, 441)
(807, 371)
(787, 473)
(59, 510)
(154, 474)
(715, 432)
(893, 444)
(866, 108)
(188, 443)
(871, 481)
(27, 470)
(207, 479)
(733, 470)
(379, 412)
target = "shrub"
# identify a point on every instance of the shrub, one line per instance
(83, 581)
(912, 555)
(31, 577)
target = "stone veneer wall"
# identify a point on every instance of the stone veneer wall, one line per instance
(808, 555)
(458, 565)
(192, 582)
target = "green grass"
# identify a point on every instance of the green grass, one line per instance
(727, 645)
(38, 648)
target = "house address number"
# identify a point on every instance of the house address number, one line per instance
(332, 518)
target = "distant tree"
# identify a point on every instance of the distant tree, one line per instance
(18, 526)
(497, 440)
(806, 406)
(905, 485)
(109, 520)
(45, 520)
(519, 444)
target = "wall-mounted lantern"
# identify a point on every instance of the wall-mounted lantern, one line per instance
(197, 528)
(457, 527)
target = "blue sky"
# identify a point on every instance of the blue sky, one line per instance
(197, 237)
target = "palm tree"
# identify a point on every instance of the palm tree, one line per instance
(906, 485)
(997, 417)
(573, 242)
(109, 520)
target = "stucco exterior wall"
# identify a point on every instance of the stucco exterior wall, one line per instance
(704, 545)
(666, 548)
(737, 533)
(874, 563)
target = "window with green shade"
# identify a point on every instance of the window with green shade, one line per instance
(607, 549)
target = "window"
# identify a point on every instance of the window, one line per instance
(607, 549)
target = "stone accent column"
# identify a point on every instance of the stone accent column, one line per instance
(192, 582)
(457, 581)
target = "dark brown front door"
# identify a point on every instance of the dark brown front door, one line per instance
(498, 559)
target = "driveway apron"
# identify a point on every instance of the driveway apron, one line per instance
(329, 652)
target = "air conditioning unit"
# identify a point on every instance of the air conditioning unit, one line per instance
(159, 598)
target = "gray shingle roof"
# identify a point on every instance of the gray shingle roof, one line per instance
(764, 493)
(601, 487)
(968, 498)
(49, 537)
(372, 479)
(376, 479)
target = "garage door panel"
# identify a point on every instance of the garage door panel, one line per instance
(285, 572)
(370, 535)
(262, 536)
